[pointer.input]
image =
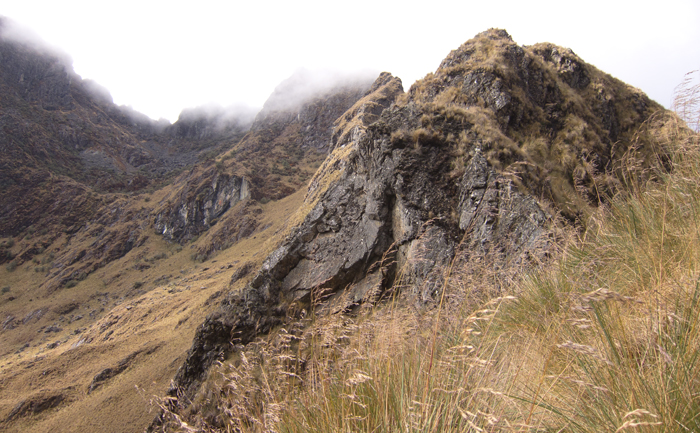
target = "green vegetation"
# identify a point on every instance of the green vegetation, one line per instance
(602, 335)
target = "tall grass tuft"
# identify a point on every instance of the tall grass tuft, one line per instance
(618, 316)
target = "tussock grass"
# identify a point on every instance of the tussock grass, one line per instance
(603, 335)
(617, 318)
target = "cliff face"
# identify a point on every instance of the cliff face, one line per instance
(270, 162)
(202, 201)
(470, 158)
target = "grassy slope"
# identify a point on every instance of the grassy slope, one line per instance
(151, 328)
(603, 336)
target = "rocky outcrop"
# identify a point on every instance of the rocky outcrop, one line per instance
(463, 161)
(354, 121)
(200, 205)
(296, 121)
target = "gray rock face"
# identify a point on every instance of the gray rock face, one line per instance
(394, 203)
(198, 206)
(403, 190)
(491, 210)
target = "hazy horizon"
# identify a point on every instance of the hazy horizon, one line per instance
(162, 58)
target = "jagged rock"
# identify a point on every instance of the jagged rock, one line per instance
(33, 316)
(348, 127)
(9, 323)
(242, 271)
(463, 162)
(199, 205)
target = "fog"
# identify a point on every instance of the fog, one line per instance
(98, 91)
(221, 118)
(305, 84)
(160, 57)
(11, 30)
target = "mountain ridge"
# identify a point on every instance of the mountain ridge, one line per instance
(449, 165)
(356, 190)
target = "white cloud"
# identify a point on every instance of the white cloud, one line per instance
(161, 57)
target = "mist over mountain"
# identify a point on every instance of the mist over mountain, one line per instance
(305, 84)
(212, 119)
(142, 252)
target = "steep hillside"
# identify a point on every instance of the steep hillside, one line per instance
(63, 137)
(286, 142)
(98, 275)
(70, 355)
(476, 158)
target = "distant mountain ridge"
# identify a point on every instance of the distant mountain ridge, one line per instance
(56, 127)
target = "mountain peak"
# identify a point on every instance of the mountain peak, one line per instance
(495, 34)
(342, 193)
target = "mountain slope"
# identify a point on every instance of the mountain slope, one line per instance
(58, 131)
(94, 290)
(120, 234)
(473, 158)
(285, 144)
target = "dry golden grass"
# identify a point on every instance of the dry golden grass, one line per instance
(150, 314)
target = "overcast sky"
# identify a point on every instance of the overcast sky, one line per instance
(162, 56)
